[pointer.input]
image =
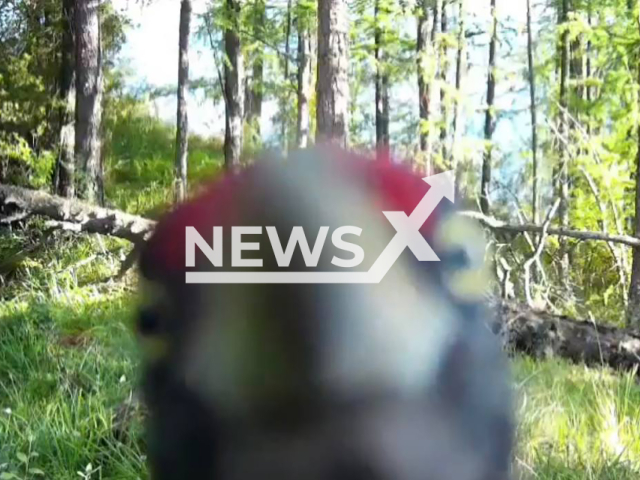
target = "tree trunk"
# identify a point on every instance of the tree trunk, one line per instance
(542, 336)
(435, 51)
(182, 134)
(285, 94)
(233, 78)
(255, 93)
(633, 309)
(490, 116)
(562, 177)
(458, 123)
(75, 215)
(304, 83)
(424, 84)
(588, 72)
(88, 100)
(532, 108)
(332, 98)
(426, 45)
(382, 80)
(443, 67)
(65, 166)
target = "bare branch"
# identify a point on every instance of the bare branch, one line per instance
(538, 251)
(495, 224)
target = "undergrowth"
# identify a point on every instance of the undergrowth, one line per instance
(69, 406)
(68, 381)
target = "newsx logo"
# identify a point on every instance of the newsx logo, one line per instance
(407, 236)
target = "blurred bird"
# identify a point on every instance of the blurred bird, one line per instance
(397, 380)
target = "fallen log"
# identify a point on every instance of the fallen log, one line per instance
(71, 214)
(542, 335)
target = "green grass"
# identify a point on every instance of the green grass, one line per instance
(68, 369)
(68, 359)
(576, 422)
(67, 362)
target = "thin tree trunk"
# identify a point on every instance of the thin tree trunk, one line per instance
(443, 67)
(426, 45)
(633, 309)
(88, 100)
(533, 110)
(489, 119)
(382, 80)
(253, 105)
(588, 69)
(65, 167)
(304, 83)
(562, 177)
(434, 40)
(234, 93)
(332, 110)
(285, 94)
(457, 116)
(424, 97)
(182, 134)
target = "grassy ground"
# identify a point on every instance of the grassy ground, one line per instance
(68, 375)
(68, 359)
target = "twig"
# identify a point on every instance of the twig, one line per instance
(536, 255)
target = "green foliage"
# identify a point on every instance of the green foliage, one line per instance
(140, 157)
(30, 53)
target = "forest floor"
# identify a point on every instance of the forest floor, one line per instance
(68, 357)
(68, 376)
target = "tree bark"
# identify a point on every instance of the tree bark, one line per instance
(332, 98)
(457, 116)
(426, 45)
(534, 115)
(76, 215)
(424, 84)
(255, 93)
(64, 176)
(304, 83)
(182, 134)
(284, 133)
(562, 176)
(88, 100)
(490, 116)
(542, 336)
(633, 308)
(382, 80)
(444, 109)
(234, 94)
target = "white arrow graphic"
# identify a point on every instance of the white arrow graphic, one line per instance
(407, 235)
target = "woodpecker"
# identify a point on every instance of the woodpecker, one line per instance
(393, 379)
